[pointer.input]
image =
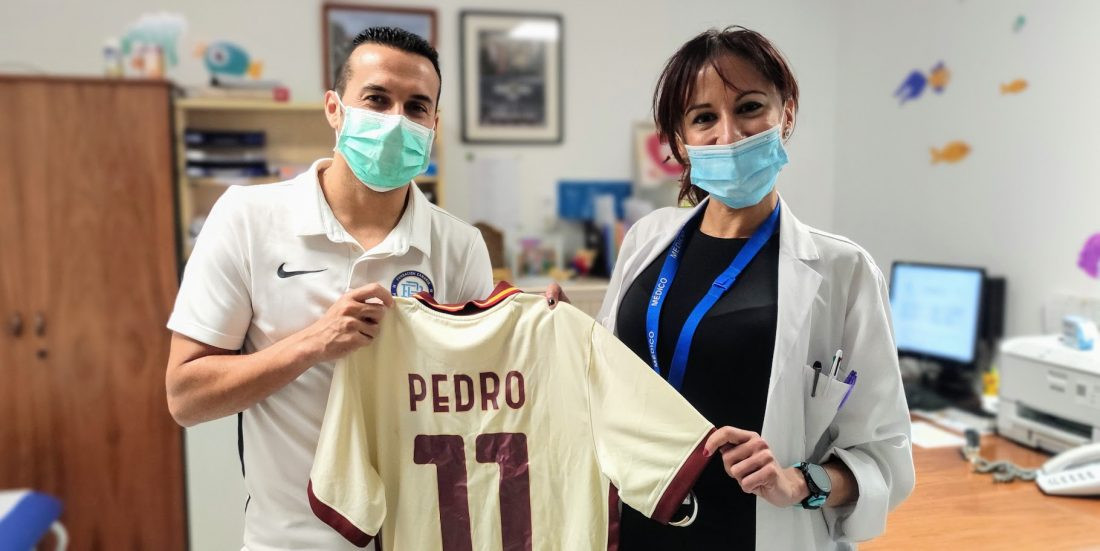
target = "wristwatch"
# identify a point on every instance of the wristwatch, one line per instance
(817, 481)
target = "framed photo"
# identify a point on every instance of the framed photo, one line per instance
(511, 77)
(340, 23)
(654, 163)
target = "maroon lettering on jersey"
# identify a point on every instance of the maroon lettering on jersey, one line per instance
(439, 400)
(509, 450)
(448, 454)
(458, 392)
(489, 395)
(514, 379)
(414, 394)
(464, 381)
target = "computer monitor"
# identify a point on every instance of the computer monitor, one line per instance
(937, 311)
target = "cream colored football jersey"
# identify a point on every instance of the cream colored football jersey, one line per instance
(501, 424)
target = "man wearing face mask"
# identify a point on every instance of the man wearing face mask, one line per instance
(287, 278)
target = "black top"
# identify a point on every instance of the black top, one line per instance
(726, 378)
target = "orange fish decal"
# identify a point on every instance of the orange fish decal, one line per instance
(939, 77)
(951, 153)
(1014, 87)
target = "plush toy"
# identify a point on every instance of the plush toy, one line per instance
(225, 59)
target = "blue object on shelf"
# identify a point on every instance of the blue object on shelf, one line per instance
(25, 517)
(575, 198)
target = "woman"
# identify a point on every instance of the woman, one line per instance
(741, 302)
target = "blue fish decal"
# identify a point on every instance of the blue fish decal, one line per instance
(228, 59)
(911, 88)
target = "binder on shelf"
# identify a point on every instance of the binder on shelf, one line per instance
(193, 137)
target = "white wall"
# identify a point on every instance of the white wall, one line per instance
(1024, 201)
(613, 54)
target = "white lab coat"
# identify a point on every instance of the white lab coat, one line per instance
(831, 295)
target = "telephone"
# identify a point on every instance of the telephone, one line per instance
(1073, 472)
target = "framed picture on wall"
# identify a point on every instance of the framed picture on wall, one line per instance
(340, 23)
(511, 77)
(653, 156)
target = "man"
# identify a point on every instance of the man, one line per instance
(287, 278)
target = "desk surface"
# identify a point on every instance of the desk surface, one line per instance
(954, 508)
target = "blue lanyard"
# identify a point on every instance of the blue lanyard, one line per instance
(722, 284)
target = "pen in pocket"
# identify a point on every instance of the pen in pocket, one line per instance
(817, 375)
(833, 369)
(851, 381)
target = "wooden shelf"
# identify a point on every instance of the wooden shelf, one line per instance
(226, 181)
(232, 104)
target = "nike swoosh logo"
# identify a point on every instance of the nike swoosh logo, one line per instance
(285, 274)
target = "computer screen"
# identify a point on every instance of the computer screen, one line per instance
(936, 310)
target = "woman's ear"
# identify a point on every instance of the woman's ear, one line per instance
(789, 112)
(681, 151)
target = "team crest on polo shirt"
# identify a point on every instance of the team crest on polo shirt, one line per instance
(411, 282)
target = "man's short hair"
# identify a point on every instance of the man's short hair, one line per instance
(387, 36)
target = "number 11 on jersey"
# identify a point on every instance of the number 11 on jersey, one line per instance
(506, 449)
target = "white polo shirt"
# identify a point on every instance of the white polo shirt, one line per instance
(270, 261)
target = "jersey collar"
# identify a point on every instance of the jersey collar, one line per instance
(502, 291)
(315, 217)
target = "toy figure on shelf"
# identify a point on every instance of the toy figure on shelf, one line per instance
(583, 261)
(228, 60)
(149, 44)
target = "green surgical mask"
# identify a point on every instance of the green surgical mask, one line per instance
(384, 151)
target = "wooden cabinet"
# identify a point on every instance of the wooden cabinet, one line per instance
(88, 276)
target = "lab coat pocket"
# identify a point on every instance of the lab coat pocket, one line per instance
(821, 408)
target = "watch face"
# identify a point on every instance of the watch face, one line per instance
(820, 477)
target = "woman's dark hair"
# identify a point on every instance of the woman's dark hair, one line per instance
(677, 84)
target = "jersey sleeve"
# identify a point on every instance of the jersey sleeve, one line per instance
(214, 304)
(345, 490)
(648, 439)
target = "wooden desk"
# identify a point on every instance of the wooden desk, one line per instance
(954, 508)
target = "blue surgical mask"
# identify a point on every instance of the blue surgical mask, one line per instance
(384, 151)
(742, 173)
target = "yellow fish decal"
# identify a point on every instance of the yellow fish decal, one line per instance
(1014, 87)
(951, 153)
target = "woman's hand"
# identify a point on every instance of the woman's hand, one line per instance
(554, 294)
(748, 460)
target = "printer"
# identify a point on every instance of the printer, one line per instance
(1049, 393)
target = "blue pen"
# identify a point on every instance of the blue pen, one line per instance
(851, 381)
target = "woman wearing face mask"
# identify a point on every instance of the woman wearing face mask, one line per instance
(736, 302)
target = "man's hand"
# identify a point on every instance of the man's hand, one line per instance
(748, 459)
(349, 324)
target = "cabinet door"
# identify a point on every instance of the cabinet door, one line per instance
(17, 426)
(97, 168)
